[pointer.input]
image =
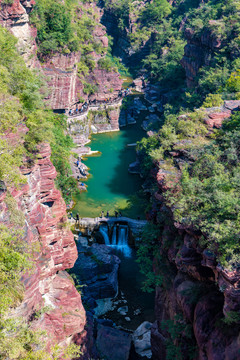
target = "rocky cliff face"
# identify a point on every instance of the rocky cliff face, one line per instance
(54, 250)
(122, 46)
(198, 52)
(197, 292)
(60, 71)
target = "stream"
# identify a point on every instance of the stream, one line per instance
(110, 188)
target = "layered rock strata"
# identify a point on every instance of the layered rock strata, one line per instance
(65, 87)
(197, 292)
(47, 285)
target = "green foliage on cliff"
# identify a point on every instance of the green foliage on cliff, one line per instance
(206, 196)
(24, 123)
(22, 104)
(53, 23)
(181, 343)
(61, 146)
(208, 193)
(147, 250)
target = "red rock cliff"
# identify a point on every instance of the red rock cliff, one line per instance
(198, 52)
(197, 291)
(60, 71)
(47, 284)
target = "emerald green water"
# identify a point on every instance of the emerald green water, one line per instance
(110, 187)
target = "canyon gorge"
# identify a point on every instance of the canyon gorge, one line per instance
(119, 182)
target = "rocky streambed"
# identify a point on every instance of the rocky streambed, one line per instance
(120, 314)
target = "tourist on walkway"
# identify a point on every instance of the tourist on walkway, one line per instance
(116, 213)
(107, 213)
(120, 214)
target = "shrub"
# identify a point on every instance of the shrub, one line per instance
(213, 100)
(105, 64)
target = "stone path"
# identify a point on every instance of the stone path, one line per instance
(94, 107)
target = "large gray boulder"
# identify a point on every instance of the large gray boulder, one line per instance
(142, 340)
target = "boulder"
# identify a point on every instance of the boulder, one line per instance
(138, 105)
(138, 84)
(97, 268)
(123, 310)
(149, 121)
(142, 339)
(113, 344)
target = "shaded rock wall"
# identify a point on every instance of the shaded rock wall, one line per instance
(195, 285)
(54, 250)
(198, 52)
(122, 46)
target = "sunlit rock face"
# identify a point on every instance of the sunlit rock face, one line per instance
(195, 287)
(52, 249)
(59, 71)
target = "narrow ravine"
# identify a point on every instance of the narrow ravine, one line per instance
(110, 186)
(107, 252)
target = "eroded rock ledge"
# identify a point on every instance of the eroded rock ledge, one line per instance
(54, 249)
(60, 70)
(195, 287)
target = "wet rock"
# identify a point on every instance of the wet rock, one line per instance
(105, 322)
(113, 344)
(127, 318)
(130, 119)
(138, 105)
(151, 109)
(137, 312)
(97, 268)
(83, 241)
(123, 310)
(134, 168)
(149, 121)
(103, 306)
(142, 339)
(122, 118)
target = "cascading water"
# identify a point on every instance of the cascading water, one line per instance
(122, 241)
(104, 231)
(114, 236)
(119, 239)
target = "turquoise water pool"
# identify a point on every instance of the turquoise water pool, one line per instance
(110, 187)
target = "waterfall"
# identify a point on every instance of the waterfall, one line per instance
(104, 231)
(119, 239)
(114, 236)
(122, 241)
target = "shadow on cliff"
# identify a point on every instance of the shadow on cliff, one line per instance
(121, 46)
